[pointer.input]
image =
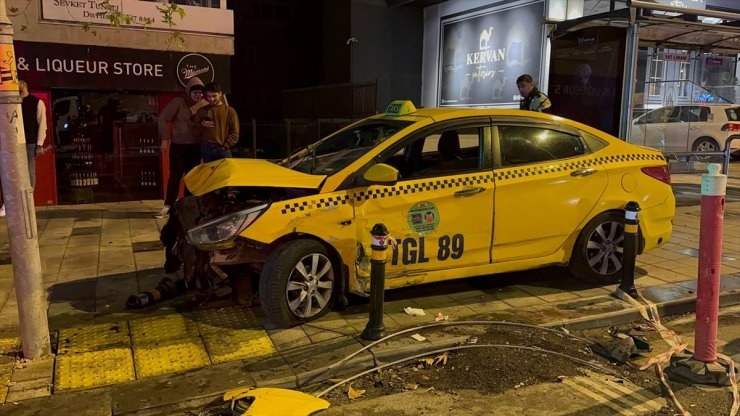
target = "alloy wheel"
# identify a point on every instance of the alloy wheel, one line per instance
(310, 285)
(605, 248)
(706, 146)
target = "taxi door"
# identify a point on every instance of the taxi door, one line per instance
(546, 185)
(441, 210)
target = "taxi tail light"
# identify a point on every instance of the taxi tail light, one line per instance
(731, 127)
(658, 172)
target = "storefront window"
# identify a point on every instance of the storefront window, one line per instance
(683, 76)
(656, 76)
(107, 146)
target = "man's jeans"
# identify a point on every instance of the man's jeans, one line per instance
(212, 152)
(31, 153)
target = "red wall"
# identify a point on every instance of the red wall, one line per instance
(164, 99)
(45, 192)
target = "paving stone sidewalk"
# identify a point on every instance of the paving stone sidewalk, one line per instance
(95, 256)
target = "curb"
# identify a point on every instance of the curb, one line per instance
(673, 307)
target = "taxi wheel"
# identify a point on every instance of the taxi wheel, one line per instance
(297, 283)
(597, 255)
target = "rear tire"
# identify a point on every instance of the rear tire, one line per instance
(706, 144)
(298, 283)
(598, 252)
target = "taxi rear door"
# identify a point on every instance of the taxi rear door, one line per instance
(546, 185)
(441, 209)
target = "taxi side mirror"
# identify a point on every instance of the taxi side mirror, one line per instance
(381, 174)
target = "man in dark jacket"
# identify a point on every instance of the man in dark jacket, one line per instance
(180, 139)
(217, 125)
(532, 98)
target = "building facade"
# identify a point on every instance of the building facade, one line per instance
(104, 86)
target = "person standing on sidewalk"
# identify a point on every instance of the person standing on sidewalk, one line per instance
(180, 139)
(217, 125)
(34, 126)
(532, 98)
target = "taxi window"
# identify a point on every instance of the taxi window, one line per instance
(448, 152)
(334, 153)
(522, 145)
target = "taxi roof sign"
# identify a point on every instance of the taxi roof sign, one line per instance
(400, 108)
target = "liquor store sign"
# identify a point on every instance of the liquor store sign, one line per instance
(46, 65)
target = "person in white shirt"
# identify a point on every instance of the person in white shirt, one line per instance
(34, 125)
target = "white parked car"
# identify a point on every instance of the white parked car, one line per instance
(687, 128)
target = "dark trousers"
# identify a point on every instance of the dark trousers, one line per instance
(183, 158)
(211, 152)
(31, 154)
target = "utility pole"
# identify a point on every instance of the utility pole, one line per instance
(19, 205)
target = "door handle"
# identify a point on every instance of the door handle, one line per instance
(468, 192)
(583, 172)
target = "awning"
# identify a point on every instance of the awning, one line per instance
(672, 30)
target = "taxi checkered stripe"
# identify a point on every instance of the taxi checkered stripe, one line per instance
(444, 183)
(387, 191)
(523, 172)
(331, 201)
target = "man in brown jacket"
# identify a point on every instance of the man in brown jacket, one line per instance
(217, 126)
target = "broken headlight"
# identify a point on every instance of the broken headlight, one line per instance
(224, 228)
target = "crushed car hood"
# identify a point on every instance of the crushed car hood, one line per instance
(223, 173)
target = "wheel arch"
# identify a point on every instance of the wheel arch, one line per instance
(698, 139)
(578, 233)
(336, 257)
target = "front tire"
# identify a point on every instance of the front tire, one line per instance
(298, 283)
(598, 252)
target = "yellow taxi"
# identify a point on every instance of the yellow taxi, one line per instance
(464, 192)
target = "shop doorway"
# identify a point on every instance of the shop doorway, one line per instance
(107, 146)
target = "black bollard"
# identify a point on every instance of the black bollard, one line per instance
(629, 254)
(375, 329)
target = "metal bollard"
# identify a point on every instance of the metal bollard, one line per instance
(629, 254)
(713, 189)
(375, 329)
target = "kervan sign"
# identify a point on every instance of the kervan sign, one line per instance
(47, 65)
(482, 55)
(144, 13)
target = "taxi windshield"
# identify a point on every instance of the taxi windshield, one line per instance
(334, 153)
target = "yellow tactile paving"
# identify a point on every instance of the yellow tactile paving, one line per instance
(93, 337)
(6, 371)
(9, 345)
(170, 356)
(159, 328)
(238, 345)
(231, 318)
(92, 369)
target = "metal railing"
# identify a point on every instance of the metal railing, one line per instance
(686, 161)
(276, 139)
(350, 101)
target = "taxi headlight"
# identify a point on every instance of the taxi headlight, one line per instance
(224, 228)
